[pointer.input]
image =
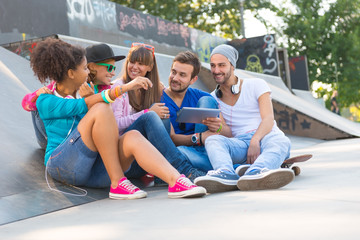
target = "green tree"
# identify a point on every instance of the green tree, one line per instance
(330, 38)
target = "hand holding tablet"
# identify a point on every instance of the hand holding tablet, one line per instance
(196, 115)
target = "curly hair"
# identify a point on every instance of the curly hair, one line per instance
(52, 58)
(190, 58)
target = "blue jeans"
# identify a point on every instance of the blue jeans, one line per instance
(152, 128)
(74, 163)
(197, 154)
(39, 128)
(224, 152)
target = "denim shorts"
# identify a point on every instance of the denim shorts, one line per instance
(72, 162)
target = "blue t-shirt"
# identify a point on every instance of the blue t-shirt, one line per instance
(60, 116)
(191, 99)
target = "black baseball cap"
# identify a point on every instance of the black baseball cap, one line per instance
(101, 52)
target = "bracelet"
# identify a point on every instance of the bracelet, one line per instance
(219, 128)
(146, 110)
(201, 143)
(108, 97)
(116, 92)
(103, 97)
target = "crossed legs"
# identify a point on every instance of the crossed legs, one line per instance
(99, 132)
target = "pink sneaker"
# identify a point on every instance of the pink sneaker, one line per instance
(185, 188)
(126, 190)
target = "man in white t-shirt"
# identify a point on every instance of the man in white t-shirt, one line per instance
(257, 144)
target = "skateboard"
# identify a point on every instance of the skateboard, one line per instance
(288, 163)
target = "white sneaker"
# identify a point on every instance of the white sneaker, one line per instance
(265, 179)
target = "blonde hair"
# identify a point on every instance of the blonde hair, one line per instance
(152, 95)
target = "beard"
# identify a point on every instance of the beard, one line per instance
(178, 90)
(226, 77)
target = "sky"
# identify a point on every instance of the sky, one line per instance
(253, 27)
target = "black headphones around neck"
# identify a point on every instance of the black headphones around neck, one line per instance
(235, 89)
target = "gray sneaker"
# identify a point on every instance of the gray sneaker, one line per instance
(263, 179)
(218, 181)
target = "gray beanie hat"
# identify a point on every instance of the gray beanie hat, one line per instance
(228, 51)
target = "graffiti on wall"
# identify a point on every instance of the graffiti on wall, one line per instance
(98, 20)
(295, 123)
(269, 49)
(203, 43)
(290, 121)
(151, 27)
(257, 54)
(26, 47)
(95, 13)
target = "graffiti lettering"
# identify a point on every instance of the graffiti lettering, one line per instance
(150, 21)
(135, 21)
(138, 23)
(80, 9)
(271, 63)
(166, 28)
(95, 12)
(105, 11)
(284, 119)
(185, 34)
(253, 64)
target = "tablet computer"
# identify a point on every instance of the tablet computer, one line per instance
(195, 115)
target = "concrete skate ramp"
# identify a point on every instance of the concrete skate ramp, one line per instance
(23, 189)
(307, 95)
(303, 116)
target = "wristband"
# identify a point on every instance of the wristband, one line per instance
(103, 97)
(146, 110)
(219, 128)
(116, 92)
(200, 136)
(108, 97)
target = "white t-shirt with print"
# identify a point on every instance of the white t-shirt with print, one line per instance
(245, 116)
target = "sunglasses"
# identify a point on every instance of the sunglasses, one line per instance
(110, 67)
(147, 46)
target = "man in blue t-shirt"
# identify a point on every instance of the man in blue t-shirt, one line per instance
(184, 70)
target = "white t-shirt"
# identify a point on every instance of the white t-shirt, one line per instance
(245, 116)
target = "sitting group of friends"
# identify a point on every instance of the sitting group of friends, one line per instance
(100, 133)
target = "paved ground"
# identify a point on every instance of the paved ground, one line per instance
(321, 203)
